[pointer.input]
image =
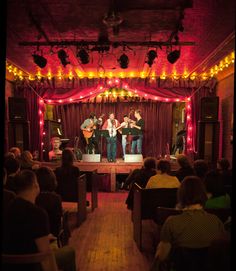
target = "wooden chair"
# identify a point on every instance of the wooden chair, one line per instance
(81, 209)
(35, 258)
(92, 186)
(145, 203)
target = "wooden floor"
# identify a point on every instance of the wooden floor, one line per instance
(104, 242)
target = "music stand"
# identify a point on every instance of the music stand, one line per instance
(129, 131)
(102, 133)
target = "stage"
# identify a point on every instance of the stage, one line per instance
(112, 168)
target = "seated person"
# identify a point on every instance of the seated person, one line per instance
(27, 162)
(55, 154)
(48, 199)
(163, 179)
(67, 175)
(8, 195)
(223, 166)
(217, 197)
(12, 166)
(16, 151)
(200, 168)
(194, 228)
(185, 167)
(141, 177)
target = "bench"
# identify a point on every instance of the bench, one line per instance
(144, 206)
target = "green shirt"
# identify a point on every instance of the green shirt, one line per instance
(219, 202)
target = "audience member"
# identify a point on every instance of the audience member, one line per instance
(27, 162)
(141, 177)
(12, 166)
(185, 167)
(163, 179)
(194, 228)
(217, 197)
(26, 228)
(16, 151)
(223, 166)
(48, 199)
(67, 175)
(26, 225)
(8, 195)
(200, 168)
(9, 155)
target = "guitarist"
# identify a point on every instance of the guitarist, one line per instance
(112, 125)
(89, 127)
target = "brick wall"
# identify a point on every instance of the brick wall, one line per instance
(225, 90)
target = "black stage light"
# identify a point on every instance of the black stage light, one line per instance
(83, 56)
(40, 60)
(124, 61)
(62, 55)
(173, 56)
(151, 56)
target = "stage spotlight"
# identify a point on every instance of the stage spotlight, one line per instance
(173, 56)
(62, 55)
(83, 56)
(124, 61)
(151, 56)
(40, 60)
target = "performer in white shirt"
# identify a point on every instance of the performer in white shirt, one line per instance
(112, 125)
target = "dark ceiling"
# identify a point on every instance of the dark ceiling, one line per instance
(210, 25)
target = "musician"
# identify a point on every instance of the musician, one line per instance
(124, 124)
(89, 127)
(139, 128)
(112, 125)
(55, 154)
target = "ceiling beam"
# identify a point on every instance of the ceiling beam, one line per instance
(115, 44)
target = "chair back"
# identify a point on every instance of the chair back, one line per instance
(221, 213)
(162, 213)
(26, 259)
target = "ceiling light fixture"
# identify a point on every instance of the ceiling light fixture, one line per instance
(152, 54)
(83, 56)
(124, 61)
(173, 56)
(40, 60)
(62, 55)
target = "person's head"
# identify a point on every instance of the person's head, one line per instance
(183, 161)
(111, 116)
(191, 191)
(223, 164)
(16, 151)
(214, 184)
(137, 113)
(200, 168)
(126, 118)
(67, 157)
(27, 156)
(92, 115)
(164, 166)
(8, 155)
(150, 162)
(56, 142)
(46, 179)
(26, 183)
(12, 165)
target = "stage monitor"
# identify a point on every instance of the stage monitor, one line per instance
(133, 158)
(94, 158)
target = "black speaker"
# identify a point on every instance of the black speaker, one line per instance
(209, 108)
(208, 141)
(19, 134)
(17, 108)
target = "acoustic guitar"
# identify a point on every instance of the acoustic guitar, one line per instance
(89, 130)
